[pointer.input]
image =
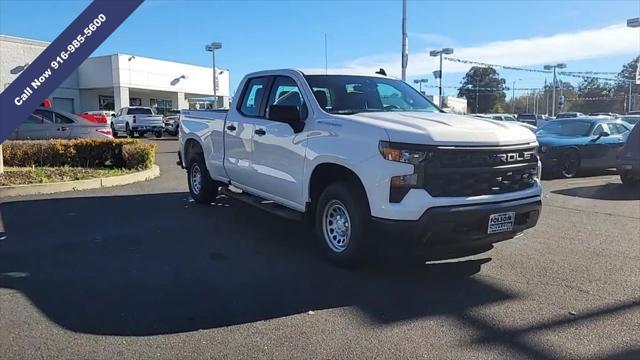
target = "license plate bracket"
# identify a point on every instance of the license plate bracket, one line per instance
(501, 222)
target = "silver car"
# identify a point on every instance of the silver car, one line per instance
(46, 123)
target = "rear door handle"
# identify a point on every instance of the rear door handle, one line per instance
(260, 132)
(231, 127)
(63, 128)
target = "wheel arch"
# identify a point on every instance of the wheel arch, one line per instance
(191, 147)
(323, 175)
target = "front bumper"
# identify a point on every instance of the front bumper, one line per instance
(550, 160)
(629, 165)
(457, 227)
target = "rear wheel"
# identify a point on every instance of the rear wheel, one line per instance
(128, 130)
(569, 164)
(341, 223)
(201, 187)
(114, 133)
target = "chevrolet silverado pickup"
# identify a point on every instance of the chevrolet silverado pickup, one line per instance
(364, 159)
(137, 120)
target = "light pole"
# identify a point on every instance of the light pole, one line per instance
(513, 96)
(555, 84)
(213, 47)
(434, 53)
(420, 81)
(633, 23)
(405, 41)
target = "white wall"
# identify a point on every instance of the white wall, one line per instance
(153, 74)
(96, 73)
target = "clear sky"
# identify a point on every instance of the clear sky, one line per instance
(587, 35)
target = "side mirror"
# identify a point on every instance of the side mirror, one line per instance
(289, 114)
(601, 135)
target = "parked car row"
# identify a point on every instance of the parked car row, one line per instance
(47, 123)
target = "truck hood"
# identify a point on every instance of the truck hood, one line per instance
(446, 129)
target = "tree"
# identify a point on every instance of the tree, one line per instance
(486, 83)
(628, 72)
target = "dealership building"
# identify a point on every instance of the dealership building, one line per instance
(114, 81)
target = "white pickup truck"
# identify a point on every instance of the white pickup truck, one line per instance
(137, 120)
(364, 159)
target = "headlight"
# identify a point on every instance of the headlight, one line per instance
(544, 148)
(412, 154)
(402, 153)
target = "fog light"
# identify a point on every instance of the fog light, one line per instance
(404, 180)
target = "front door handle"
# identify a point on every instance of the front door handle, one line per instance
(260, 132)
(63, 128)
(231, 127)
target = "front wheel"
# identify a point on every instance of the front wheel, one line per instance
(114, 133)
(158, 134)
(570, 164)
(341, 223)
(627, 178)
(201, 187)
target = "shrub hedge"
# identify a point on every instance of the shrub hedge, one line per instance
(86, 153)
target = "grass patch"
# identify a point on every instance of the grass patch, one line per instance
(39, 175)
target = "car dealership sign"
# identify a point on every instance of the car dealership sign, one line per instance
(81, 38)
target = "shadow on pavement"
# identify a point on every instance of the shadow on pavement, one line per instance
(603, 192)
(159, 264)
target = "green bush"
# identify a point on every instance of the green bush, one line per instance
(86, 153)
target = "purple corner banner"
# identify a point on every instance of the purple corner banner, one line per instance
(60, 59)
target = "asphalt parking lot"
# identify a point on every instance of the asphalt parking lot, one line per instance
(140, 271)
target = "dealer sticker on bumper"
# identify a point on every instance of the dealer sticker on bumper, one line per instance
(501, 222)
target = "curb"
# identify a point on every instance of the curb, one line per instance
(51, 188)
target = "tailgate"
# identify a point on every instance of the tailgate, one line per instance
(149, 120)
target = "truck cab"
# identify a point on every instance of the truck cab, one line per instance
(362, 157)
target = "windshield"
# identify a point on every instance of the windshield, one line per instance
(139, 111)
(346, 94)
(566, 115)
(567, 128)
(633, 119)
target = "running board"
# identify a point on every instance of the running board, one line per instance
(266, 205)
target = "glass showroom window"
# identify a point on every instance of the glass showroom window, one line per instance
(161, 106)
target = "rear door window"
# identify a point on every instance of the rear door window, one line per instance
(254, 97)
(61, 119)
(44, 115)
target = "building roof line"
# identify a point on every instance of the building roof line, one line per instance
(23, 40)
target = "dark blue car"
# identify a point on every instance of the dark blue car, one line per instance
(568, 146)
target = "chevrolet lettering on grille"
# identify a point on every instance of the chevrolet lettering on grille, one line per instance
(515, 156)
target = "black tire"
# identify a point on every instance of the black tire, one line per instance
(128, 130)
(158, 134)
(627, 178)
(204, 190)
(337, 198)
(114, 133)
(569, 164)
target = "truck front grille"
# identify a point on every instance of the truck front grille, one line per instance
(474, 172)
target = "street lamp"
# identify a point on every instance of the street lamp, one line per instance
(420, 81)
(213, 47)
(554, 67)
(434, 53)
(513, 96)
(633, 23)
